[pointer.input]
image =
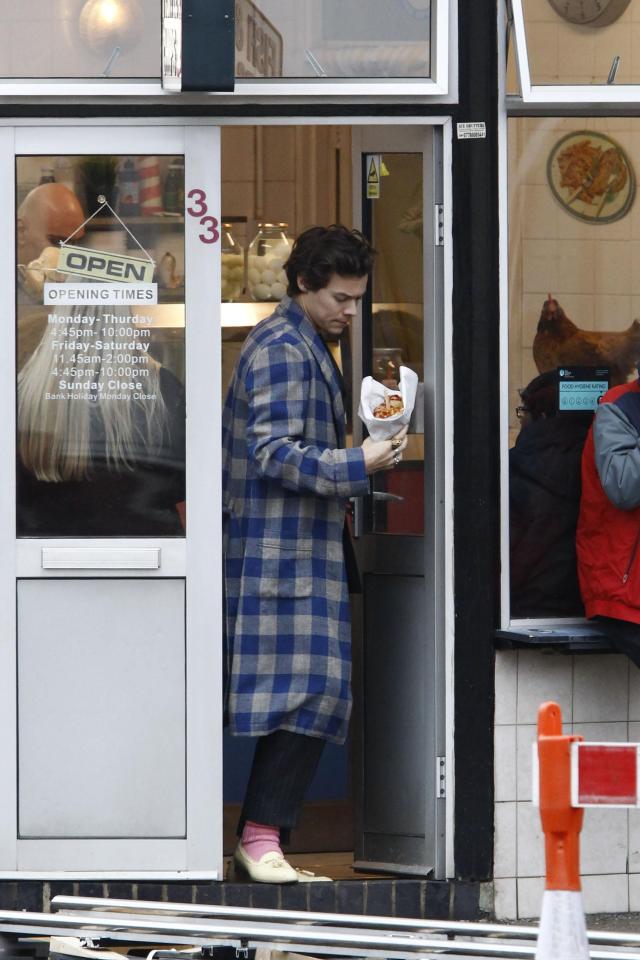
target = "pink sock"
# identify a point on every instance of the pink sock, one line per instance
(258, 839)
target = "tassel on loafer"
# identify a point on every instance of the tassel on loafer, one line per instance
(306, 876)
(270, 868)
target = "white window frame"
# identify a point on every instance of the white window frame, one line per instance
(584, 93)
(511, 106)
(443, 80)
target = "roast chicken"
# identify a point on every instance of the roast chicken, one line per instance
(559, 342)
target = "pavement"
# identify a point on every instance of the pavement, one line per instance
(615, 922)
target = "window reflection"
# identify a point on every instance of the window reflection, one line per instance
(397, 337)
(80, 39)
(333, 38)
(573, 304)
(582, 41)
(100, 378)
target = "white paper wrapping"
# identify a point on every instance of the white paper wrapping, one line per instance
(372, 393)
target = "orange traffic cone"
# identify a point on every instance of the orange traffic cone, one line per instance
(562, 934)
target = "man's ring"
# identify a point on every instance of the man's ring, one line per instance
(395, 443)
(396, 459)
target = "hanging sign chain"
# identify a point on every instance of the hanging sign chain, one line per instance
(102, 203)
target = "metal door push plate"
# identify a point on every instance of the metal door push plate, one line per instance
(100, 558)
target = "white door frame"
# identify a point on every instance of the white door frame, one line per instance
(203, 357)
(199, 854)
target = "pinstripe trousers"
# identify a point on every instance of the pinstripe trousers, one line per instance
(283, 767)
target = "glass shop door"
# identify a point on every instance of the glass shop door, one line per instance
(399, 671)
(110, 571)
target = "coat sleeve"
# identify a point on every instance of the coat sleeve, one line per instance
(617, 455)
(277, 385)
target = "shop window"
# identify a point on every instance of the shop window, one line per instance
(565, 46)
(333, 39)
(398, 47)
(574, 304)
(83, 39)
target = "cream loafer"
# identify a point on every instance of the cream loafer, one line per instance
(270, 868)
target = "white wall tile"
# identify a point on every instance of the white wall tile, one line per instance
(526, 735)
(634, 893)
(543, 676)
(600, 688)
(603, 732)
(506, 686)
(543, 38)
(540, 266)
(530, 841)
(604, 841)
(613, 312)
(577, 267)
(606, 894)
(634, 692)
(504, 762)
(530, 890)
(505, 899)
(612, 265)
(540, 212)
(634, 841)
(504, 844)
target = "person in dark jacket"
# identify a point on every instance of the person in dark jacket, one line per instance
(544, 498)
(609, 524)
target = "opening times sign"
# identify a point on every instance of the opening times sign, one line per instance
(99, 355)
(99, 347)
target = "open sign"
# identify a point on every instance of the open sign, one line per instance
(103, 265)
(258, 43)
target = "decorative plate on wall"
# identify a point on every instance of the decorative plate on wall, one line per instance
(591, 177)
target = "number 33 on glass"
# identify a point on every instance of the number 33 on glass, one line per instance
(199, 209)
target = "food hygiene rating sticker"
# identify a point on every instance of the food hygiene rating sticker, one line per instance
(581, 388)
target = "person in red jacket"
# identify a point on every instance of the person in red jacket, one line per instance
(608, 535)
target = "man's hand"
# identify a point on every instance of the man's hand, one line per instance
(384, 454)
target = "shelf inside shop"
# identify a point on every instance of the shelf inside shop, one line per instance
(414, 308)
(156, 220)
(246, 314)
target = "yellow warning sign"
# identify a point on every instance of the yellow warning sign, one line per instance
(373, 176)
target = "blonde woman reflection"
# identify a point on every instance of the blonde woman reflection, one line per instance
(99, 453)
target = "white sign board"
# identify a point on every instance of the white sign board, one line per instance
(476, 130)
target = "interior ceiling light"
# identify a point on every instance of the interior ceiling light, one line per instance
(108, 24)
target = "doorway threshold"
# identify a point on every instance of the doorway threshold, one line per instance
(337, 866)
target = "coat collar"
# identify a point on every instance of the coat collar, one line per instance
(296, 315)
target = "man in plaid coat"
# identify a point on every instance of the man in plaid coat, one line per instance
(287, 477)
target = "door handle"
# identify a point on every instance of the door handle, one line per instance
(382, 495)
(358, 507)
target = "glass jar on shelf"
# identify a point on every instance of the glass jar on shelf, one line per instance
(232, 256)
(268, 253)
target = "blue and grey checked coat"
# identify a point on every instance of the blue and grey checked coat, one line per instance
(286, 478)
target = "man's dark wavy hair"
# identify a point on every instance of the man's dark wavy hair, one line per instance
(319, 252)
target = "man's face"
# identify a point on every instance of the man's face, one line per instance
(332, 308)
(32, 237)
